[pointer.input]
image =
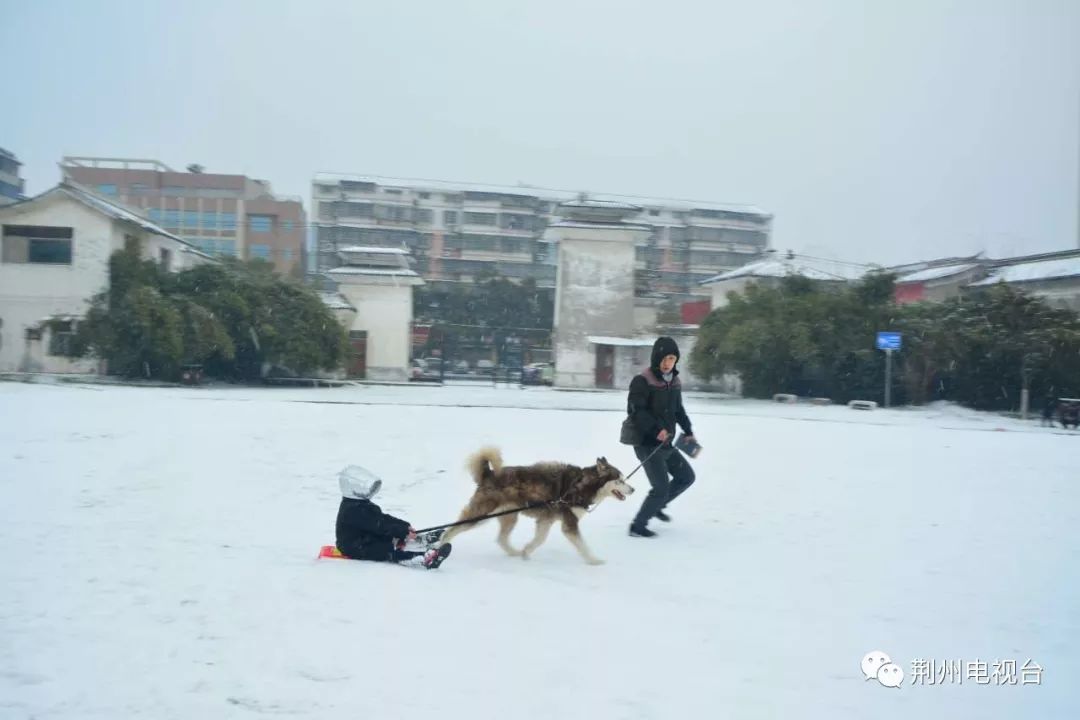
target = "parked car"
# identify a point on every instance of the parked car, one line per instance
(435, 364)
(538, 374)
(485, 367)
(461, 367)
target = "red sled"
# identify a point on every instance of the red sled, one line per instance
(331, 551)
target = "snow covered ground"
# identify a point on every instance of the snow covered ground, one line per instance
(157, 560)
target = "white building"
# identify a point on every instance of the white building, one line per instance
(769, 271)
(596, 342)
(55, 257)
(376, 283)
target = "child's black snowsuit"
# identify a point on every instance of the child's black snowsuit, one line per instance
(365, 532)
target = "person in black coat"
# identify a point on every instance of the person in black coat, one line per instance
(655, 406)
(365, 532)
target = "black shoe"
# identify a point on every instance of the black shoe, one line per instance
(641, 531)
(433, 558)
(662, 516)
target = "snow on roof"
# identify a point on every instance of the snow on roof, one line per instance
(374, 250)
(936, 273)
(335, 301)
(621, 341)
(598, 225)
(114, 210)
(1033, 271)
(771, 268)
(351, 270)
(601, 205)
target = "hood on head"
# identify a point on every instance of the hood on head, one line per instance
(359, 483)
(663, 347)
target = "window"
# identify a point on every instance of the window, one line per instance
(424, 216)
(476, 218)
(47, 245)
(210, 220)
(226, 247)
(171, 218)
(227, 220)
(107, 189)
(261, 223)
(191, 219)
(425, 195)
(392, 191)
(155, 215)
(165, 256)
(259, 251)
(449, 217)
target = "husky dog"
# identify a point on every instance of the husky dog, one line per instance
(558, 491)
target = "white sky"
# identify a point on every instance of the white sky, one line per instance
(884, 131)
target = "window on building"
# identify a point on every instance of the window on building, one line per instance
(227, 220)
(107, 189)
(425, 195)
(190, 218)
(424, 216)
(209, 220)
(326, 189)
(170, 218)
(392, 191)
(226, 247)
(259, 251)
(61, 336)
(47, 245)
(477, 218)
(261, 223)
(165, 259)
(449, 217)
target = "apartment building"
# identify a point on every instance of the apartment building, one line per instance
(221, 214)
(12, 186)
(459, 231)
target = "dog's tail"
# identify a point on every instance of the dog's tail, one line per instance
(484, 463)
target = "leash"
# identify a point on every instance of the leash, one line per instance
(530, 506)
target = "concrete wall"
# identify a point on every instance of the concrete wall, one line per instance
(722, 288)
(385, 312)
(594, 295)
(1062, 293)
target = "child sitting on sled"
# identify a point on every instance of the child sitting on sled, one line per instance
(365, 532)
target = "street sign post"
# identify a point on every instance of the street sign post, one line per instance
(888, 341)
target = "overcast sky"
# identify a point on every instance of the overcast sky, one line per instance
(872, 130)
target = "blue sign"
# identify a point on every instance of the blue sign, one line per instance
(888, 341)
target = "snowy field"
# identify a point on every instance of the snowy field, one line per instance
(157, 560)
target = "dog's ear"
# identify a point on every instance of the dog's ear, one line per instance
(601, 462)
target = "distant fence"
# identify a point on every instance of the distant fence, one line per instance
(453, 352)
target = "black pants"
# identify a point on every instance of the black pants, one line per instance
(379, 550)
(667, 460)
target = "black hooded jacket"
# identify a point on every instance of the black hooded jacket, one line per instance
(362, 524)
(655, 404)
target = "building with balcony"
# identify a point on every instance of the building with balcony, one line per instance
(223, 215)
(12, 186)
(459, 231)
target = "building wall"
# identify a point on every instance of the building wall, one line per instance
(721, 288)
(385, 313)
(594, 295)
(1062, 293)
